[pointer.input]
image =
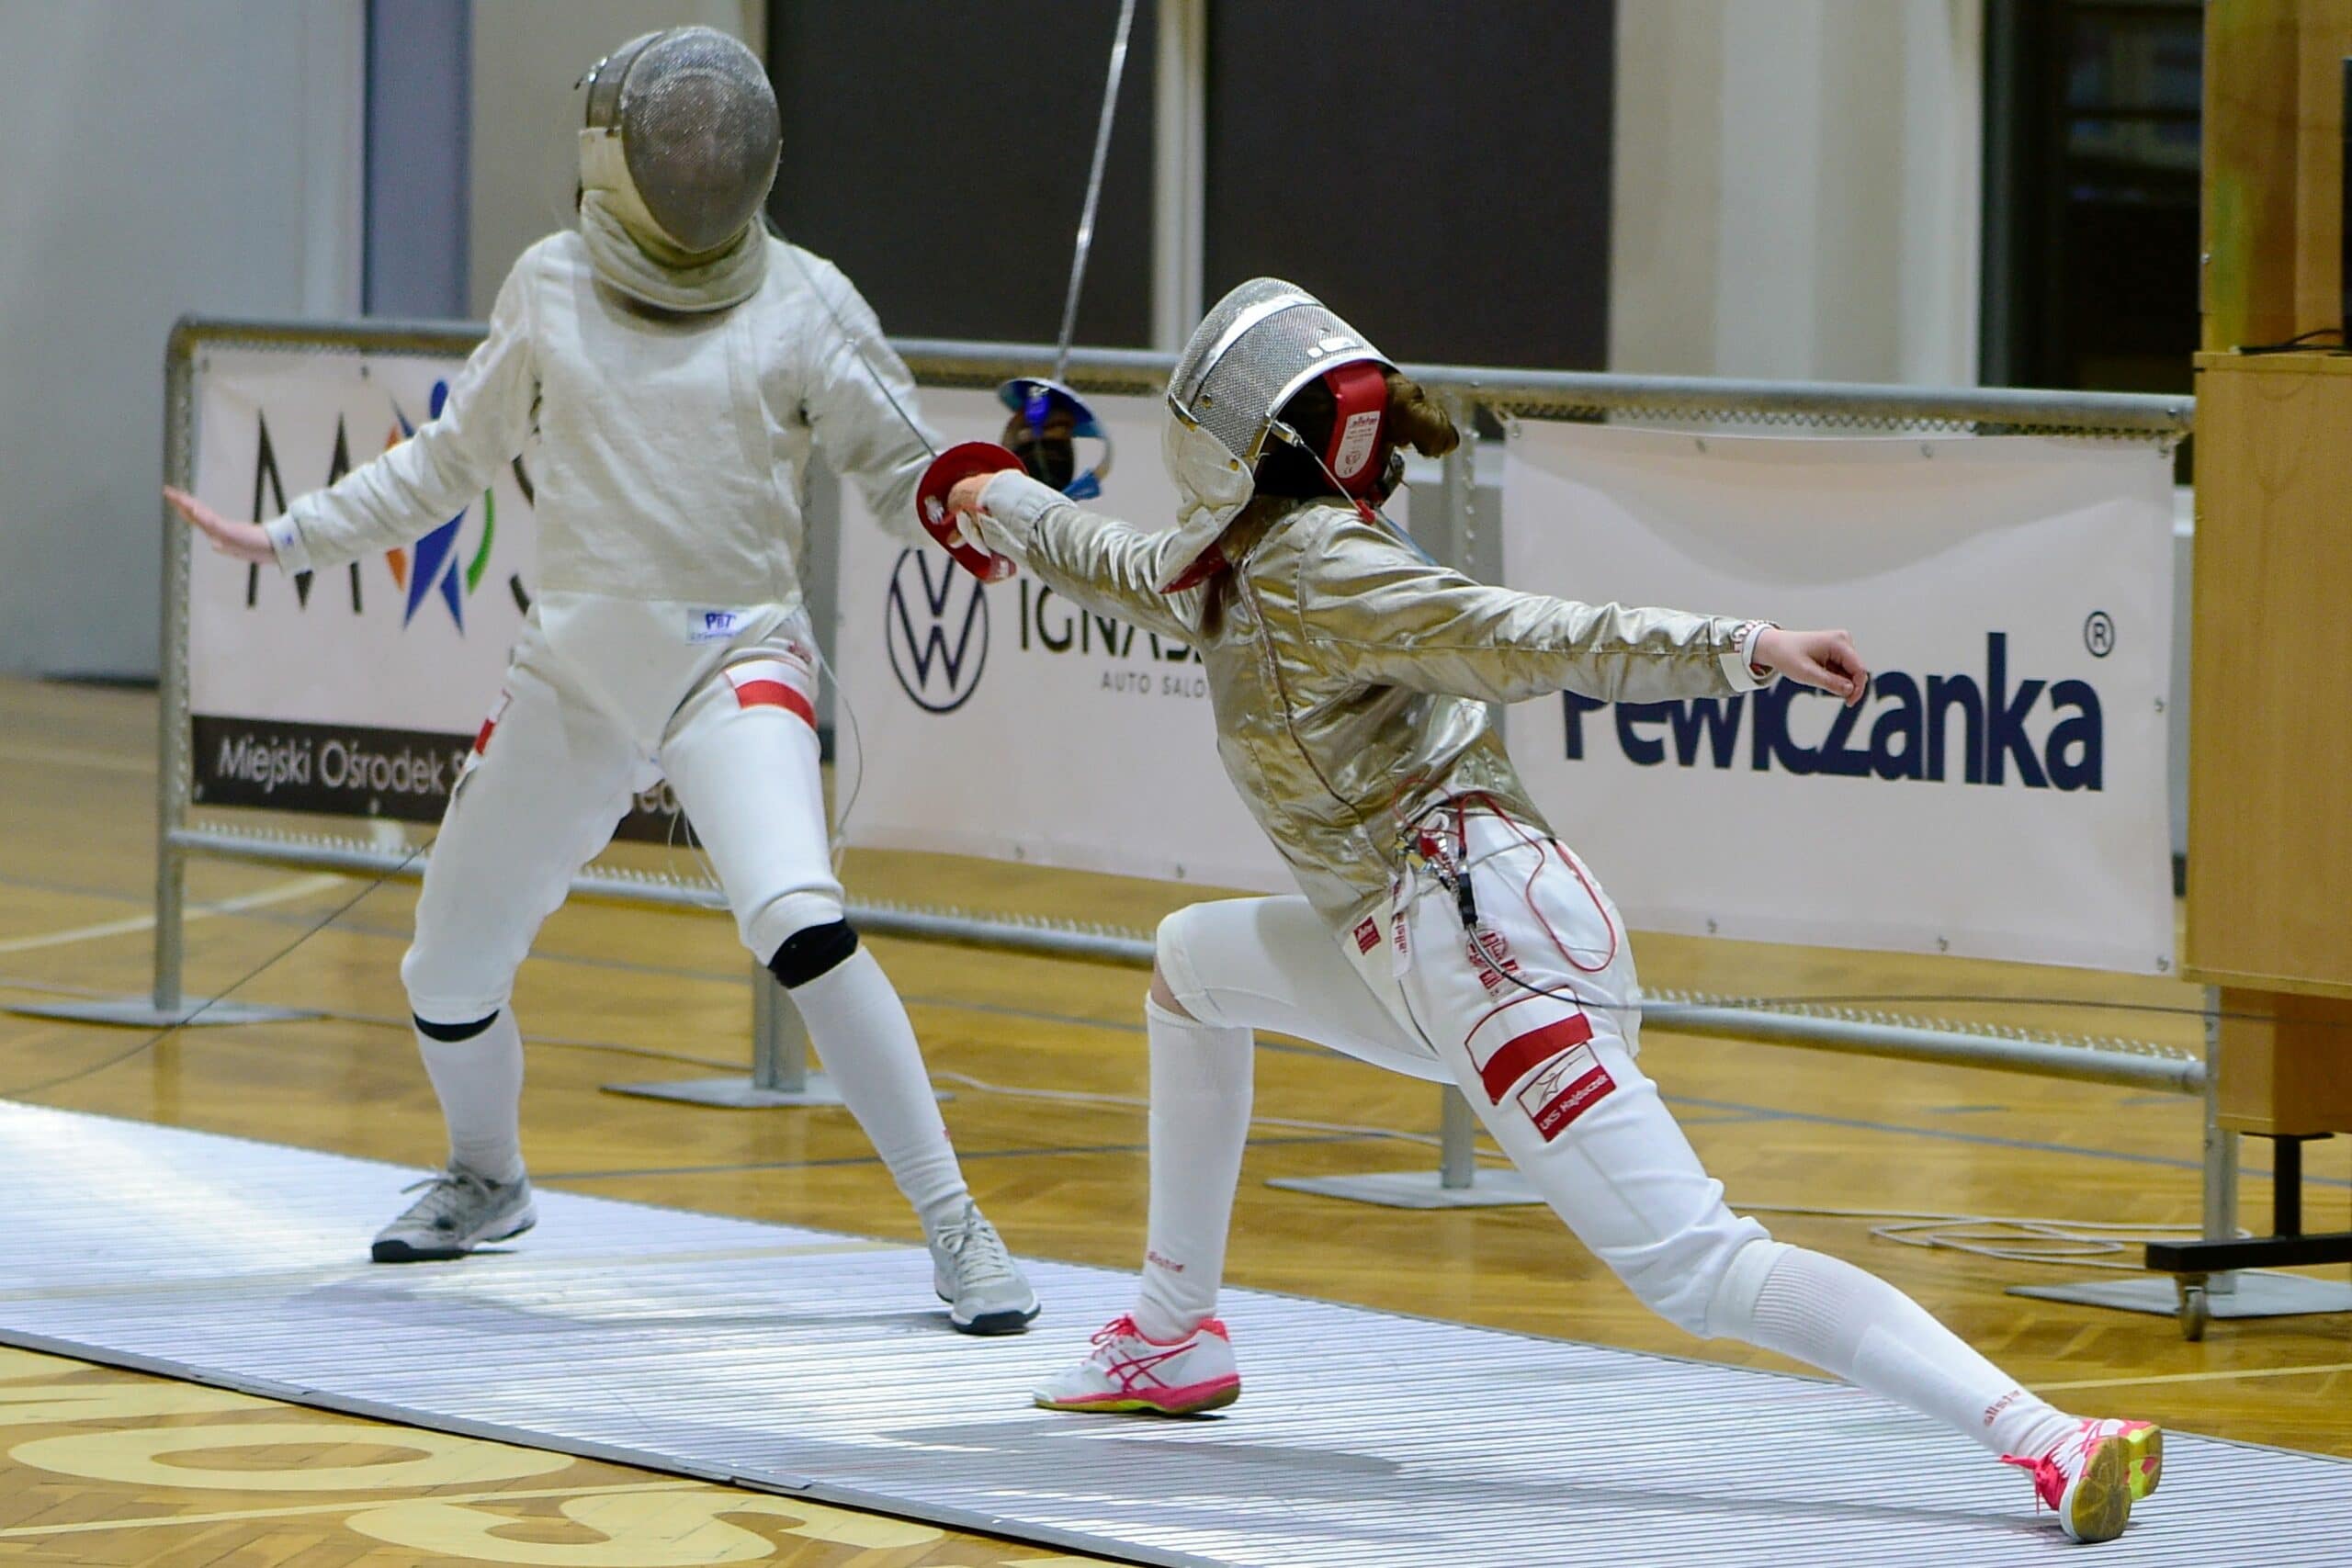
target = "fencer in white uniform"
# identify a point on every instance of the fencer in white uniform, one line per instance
(679, 365)
(1442, 931)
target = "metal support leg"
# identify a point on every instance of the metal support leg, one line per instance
(1458, 1182)
(2286, 1187)
(780, 1073)
(2221, 1150)
(166, 1005)
(171, 912)
(1457, 1150)
(2224, 1276)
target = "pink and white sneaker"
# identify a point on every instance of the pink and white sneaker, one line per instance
(2091, 1480)
(1130, 1373)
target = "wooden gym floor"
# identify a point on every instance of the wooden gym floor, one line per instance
(1046, 1063)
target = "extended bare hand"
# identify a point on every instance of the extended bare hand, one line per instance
(1823, 659)
(238, 541)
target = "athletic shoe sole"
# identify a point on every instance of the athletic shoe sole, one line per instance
(995, 1325)
(1183, 1401)
(992, 1325)
(2144, 1453)
(2098, 1504)
(401, 1252)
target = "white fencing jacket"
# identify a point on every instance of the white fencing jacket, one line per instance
(672, 449)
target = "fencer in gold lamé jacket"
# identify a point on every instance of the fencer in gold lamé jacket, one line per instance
(1349, 675)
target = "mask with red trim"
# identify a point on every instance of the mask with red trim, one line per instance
(1250, 355)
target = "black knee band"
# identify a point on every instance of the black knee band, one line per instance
(808, 953)
(448, 1033)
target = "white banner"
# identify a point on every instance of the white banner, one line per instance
(1004, 721)
(356, 689)
(2001, 792)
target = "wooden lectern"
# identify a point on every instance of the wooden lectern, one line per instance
(2270, 740)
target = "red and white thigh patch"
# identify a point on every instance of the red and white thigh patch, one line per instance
(1542, 1047)
(481, 736)
(1568, 1086)
(489, 725)
(773, 682)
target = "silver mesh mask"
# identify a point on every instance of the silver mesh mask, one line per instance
(698, 127)
(1251, 353)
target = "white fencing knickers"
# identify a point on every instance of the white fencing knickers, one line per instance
(606, 699)
(1536, 1021)
(604, 696)
(1529, 1005)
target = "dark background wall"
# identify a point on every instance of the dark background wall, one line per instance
(2093, 128)
(1437, 172)
(956, 137)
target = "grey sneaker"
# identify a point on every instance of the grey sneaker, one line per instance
(461, 1209)
(984, 1289)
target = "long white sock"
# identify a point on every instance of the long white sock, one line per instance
(1856, 1325)
(859, 1026)
(1200, 1120)
(480, 1084)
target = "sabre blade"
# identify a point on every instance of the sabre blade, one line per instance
(849, 337)
(1093, 191)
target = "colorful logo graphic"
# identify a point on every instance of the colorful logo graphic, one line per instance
(432, 567)
(435, 567)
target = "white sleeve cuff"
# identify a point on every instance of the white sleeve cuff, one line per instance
(1014, 497)
(1739, 660)
(286, 542)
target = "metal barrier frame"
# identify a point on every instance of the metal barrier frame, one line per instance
(1458, 530)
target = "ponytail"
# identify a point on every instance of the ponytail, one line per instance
(1418, 420)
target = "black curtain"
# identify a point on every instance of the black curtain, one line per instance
(937, 150)
(1439, 173)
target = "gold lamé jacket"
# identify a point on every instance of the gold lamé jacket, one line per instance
(1349, 675)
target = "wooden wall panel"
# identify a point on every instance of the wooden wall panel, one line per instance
(2251, 93)
(2270, 762)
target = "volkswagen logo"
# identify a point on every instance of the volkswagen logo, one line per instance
(936, 624)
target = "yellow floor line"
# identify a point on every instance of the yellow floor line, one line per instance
(300, 887)
(2204, 1377)
(349, 1505)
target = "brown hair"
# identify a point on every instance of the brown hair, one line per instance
(1414, 420)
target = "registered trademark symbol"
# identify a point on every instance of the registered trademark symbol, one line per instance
(2098, 634)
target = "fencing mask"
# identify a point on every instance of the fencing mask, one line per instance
(1255, 349)
(678, 151)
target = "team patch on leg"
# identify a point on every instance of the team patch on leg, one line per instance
(1538, 1052)
(1510, 1043)
(1566, 1088)
(771, 683)
(489, 725)
(481, 743)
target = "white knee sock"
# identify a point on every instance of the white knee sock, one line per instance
(1200, 1120)
(480, 1084)
(859, 1026)
(1856, 1325)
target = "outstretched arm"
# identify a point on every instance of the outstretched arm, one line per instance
(1103, 563)
(1382, 613)
(862, 405)
(428, 478)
